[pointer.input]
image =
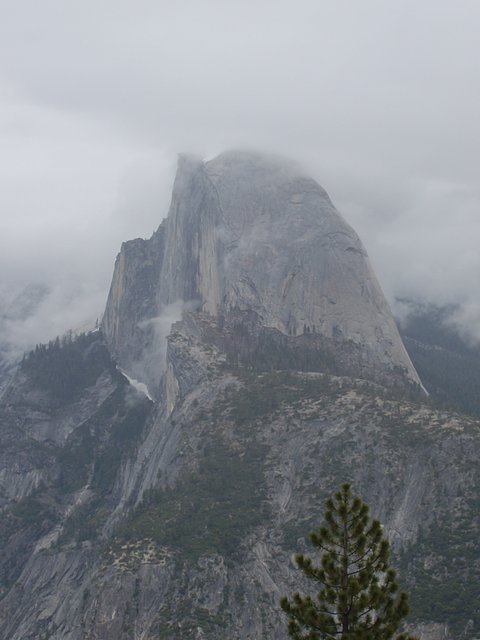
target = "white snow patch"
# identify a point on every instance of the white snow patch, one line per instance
(139, 386)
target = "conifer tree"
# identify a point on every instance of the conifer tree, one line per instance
(358, 597)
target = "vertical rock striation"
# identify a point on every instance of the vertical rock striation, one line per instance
(249, 233)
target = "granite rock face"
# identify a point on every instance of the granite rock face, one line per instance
(182, 516)
(251, 233)
(276, 373)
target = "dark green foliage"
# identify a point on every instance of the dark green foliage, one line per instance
(95, 449)
(265, 394)
(308, 352)
(129, 422)
(96, 453)
(186, 620)
(248, 344)
(211, 510)
(358, 597)
(65, 367)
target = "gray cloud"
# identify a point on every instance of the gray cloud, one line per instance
(379, 100)
(154, 358)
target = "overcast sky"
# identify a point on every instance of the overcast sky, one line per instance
(380, 100)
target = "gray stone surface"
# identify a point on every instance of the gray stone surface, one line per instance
(409, 461)
(106, 499)
(249, 232)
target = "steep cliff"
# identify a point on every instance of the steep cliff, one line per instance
(251, 233)
(281, 376)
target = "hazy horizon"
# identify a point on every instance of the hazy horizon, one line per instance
(378, 101)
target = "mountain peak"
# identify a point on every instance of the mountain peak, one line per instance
(242, 160)
(250, 233)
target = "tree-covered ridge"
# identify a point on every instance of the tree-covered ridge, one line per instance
(209, 511)
(67, 365)
(250, 453)
(72, 371)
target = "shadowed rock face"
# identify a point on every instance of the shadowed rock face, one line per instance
(251, 233)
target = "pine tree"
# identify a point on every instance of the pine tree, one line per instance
(358, 597)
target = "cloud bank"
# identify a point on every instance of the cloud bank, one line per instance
(378, 100)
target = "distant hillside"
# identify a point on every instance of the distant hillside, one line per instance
(448, 366)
